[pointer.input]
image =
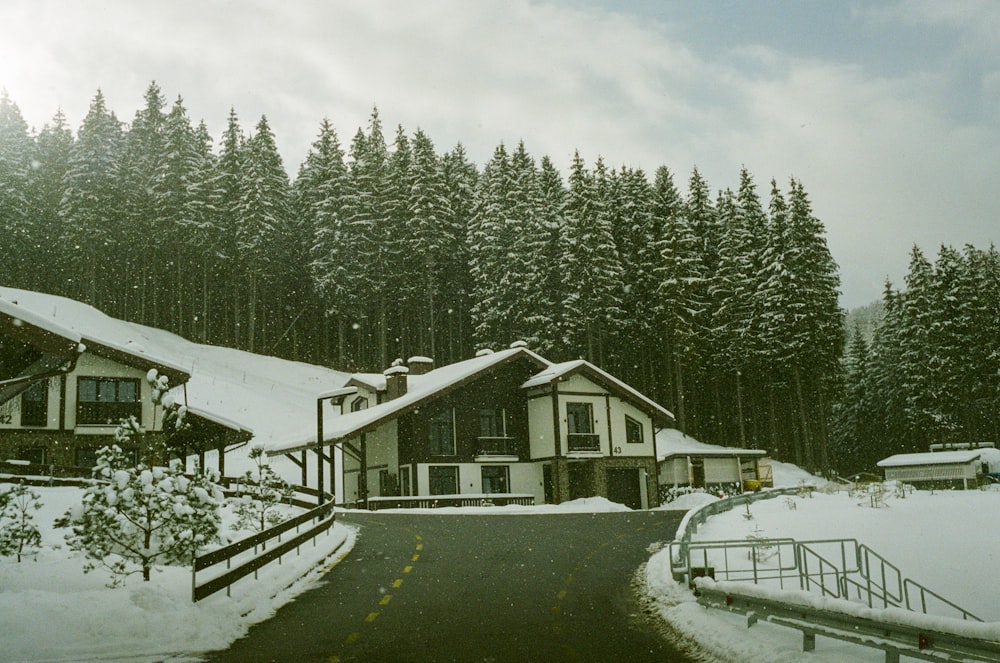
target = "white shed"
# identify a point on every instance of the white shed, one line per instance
(956, 468)
(684, 461)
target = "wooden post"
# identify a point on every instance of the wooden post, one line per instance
(556, 469)
(319, 451)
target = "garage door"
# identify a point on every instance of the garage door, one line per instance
(624, 488)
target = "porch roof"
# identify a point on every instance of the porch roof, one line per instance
(931, 458)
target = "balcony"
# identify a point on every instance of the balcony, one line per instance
(496, 446)
(583, 442)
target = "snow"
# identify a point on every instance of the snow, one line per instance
(930, 458)
(672, 442)
(946, 541)
(51, 611)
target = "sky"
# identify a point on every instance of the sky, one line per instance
(885, 111)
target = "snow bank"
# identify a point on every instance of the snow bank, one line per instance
(50, 610)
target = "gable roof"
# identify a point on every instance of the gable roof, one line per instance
(564, 370)
(420, 390)
(100, 334)
(671, 443)
(931, 458)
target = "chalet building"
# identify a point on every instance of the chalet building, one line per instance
(502, 423)
(63, 391)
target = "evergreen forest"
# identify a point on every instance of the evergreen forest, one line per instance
(720, 304)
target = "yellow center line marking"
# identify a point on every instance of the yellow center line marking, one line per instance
(557, 628)
(556, 610)
(371, 616)
(419, 538)
(420, 546)
(333, 659)
(579, 565)
(397, 583)
(569, 580)
(589, 555)
(407, 569)
(415, 557)
(385, 599)
(561, 595)
(352, 638)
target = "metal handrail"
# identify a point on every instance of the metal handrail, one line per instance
(916, 636)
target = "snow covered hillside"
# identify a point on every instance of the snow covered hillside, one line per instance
(948, 541)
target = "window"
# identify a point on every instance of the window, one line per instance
(580, 418)
(496, 479)
(442, 480)
(35, 404)
(492, 422)
(359, 403)
(633, 431)
(107, 400)
(442, 434)
(580, 428)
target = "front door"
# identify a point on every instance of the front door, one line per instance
(623, 486)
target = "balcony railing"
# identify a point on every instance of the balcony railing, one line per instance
(496, 446)
(583, 441)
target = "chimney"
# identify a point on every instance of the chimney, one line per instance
(395, 381)
(420, 365)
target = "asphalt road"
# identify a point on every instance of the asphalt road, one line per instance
(489, 588)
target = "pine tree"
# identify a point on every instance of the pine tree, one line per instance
(19, 248)
(318, 197)
(53, 147)
(19, 535)
(90, 206)
(593, 266)
(261, 233)
(262, 490)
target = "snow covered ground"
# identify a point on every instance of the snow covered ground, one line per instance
(51, 611)
(949, 541)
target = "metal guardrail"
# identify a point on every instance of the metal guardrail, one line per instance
(836, 568)
(695, 517)
(917, 636)
(323, 514)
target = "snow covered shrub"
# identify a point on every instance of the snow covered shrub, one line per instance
(262, 491)
(18, 533)
(133, 518)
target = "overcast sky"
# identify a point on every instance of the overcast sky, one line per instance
(887, 112)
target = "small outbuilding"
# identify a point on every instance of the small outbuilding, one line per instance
(683, 461)
(955, 469)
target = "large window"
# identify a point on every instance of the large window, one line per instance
(442, 434)
(442, 480)
(35, 404)
(580, 418)
(633, 431)
(107, 400)
(580, 428)
(496, 479)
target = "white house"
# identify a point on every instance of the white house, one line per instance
(501, 423)
(945, 468)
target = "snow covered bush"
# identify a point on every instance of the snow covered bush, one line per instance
(133, 518)
(262, 491)
(18, 533)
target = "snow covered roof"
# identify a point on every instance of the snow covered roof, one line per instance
(17, 316)
(420, 388)
(561, 371)
(670, 442)
(101, 334)
(270, 397)
(931, 458)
